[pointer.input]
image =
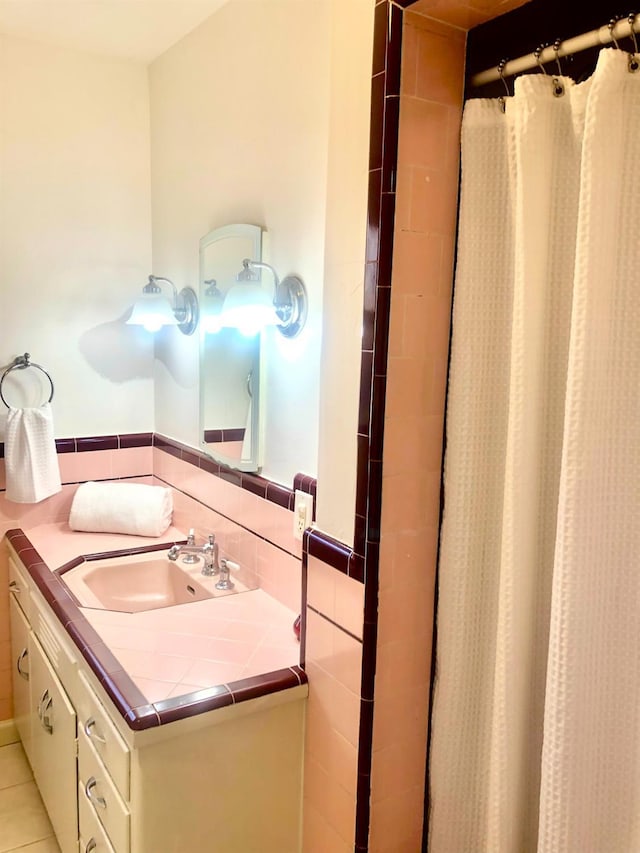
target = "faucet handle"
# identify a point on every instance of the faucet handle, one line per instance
(225, 583)
(212, 539)
(191, 538)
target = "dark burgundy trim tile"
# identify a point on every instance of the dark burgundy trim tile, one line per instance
(141, 718)
(255, 485)
(381, 345)
(72, 564)
(278, 495)
(210, 466)
(233, 477)
(364, 404)
(390, 143)
(1, 450)
(18, 540)
(362, 475)
(369, 639)
(330, 551)
(234, 434)
(213, 436)
(373, 214)
(65, 445)
(305, 483)
(180, 707)
(128, 552)
(303, 605)
(363, 810)
(380, 37)
(135, 439)
(385, 241)
(97, 442)
(369, 305)
(191, 458)
(359, 534)
(30, 556)
(377, 421)
(83, 634)
(394, 50)
(267, 682)
(377, 121)
(375, 500)
(357, 567)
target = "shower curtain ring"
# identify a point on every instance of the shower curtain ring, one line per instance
(634, 64)
(556, 48)
(558, 85)
(612, 25)
(537, 52)
(502, 100)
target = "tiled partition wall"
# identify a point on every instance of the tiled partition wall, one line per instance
(407, 299)
(253, 523)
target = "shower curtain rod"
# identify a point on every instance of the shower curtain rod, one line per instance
(602, 36)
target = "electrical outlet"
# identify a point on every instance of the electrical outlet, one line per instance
(302, 513)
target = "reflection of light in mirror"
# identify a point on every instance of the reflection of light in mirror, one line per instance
(212, 323)
(248, 308)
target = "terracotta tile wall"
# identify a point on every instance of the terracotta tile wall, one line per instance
(424, 234)
(333, 665)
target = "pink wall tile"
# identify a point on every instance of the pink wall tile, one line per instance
(318, 834)
(334, 662)
(430, 109)
(132, 461)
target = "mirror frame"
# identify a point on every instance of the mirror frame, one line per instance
(254, 464)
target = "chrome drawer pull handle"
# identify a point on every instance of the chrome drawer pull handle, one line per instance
(91, 732)
(43, 699)
(23, 673)
(94, 798)
(15, 589)
(91, 845)
(47, 725)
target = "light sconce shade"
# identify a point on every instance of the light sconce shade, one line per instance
(152, 310)
(248, 308)
(212, 302)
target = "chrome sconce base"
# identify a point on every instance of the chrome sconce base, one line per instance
(291, 306)
(186, 310)
(290, 301)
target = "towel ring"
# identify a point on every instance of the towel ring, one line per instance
(21, 362)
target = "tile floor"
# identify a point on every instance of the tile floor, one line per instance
(24, 825)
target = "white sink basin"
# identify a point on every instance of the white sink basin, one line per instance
(134, 583)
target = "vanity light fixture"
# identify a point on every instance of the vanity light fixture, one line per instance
(212, 303)
(249, 308)
(153, 310)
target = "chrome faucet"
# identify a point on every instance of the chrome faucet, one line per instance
(191, 553)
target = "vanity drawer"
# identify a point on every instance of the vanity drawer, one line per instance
(19, 588)
(93, 838)
(101, 795)
(106, 741)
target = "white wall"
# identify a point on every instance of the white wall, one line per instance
(75, 233)
(239, 119)
(347, 186)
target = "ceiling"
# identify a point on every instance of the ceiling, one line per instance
(465, 13)
(139, 30)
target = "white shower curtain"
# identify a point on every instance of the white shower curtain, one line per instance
(536, 724)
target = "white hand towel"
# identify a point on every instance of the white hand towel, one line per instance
(132, 508)
(31, 460)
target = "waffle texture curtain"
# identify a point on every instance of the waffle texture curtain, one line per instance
(536, 725)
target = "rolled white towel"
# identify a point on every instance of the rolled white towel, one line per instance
(132, 508)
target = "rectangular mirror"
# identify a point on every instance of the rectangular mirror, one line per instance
(230, 394)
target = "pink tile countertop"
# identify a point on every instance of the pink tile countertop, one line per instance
(171, 656)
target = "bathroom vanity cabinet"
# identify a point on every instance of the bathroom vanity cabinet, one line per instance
(223, 781)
